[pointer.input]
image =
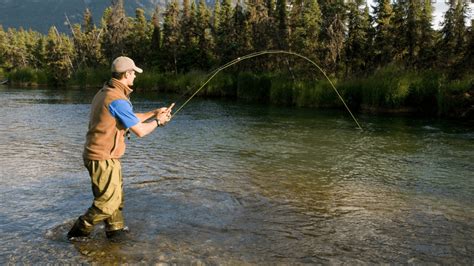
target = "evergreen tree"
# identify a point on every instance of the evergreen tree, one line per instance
(59, 53)
(413, 31)
(383, 43)
(427, 55)
(204, 36)
(88, 23)
(117, 31)
(357, 42)
(155, 45)
(39, 53)
(171, 37)
(15, 53)
(452, 34)
(139, 39)
(282, 38)
(225, 47)
(3, 46)
(216, 15)
(306, 19)
(398, 31)
(242, 35)
(335, 36)
(260, 25)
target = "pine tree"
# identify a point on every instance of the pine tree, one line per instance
(117, 31)
(59, 54)
(282, 38)
(203, 30)
(3, 46)
(427, 55)
(306, 19)
(225, 47)
(414, 31)
(171, 37)
(155, 45)
(139, 39)
(398, 31)
(88, 23)
(335, 36)
(356, 45)
(242, 35)
(383, 43)
(216, 16)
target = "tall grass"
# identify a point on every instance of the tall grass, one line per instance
(390, 88)
(89, 77)
(29, 77)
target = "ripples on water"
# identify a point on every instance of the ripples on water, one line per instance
(231, 183)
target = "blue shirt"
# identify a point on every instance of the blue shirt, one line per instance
(122, 110)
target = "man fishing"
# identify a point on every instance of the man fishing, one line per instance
(112, 118)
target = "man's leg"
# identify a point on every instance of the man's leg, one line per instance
(106, 179)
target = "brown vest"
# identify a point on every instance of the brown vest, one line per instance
(105, 138)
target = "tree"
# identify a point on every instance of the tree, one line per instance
(88, 23)
(171, 36)
(306, 19)
(357, 43)
(427, 54)
(225, 47)
(59, 54)
(383, 43)
(453, 34)
(204, 36)
(155, 45)
(335, 36)
(398, 31)
(116, 31)
(282, 38)
(242, 38)
(139, 39)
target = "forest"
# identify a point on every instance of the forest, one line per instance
(391, 59)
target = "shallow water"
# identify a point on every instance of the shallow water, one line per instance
(233, 183)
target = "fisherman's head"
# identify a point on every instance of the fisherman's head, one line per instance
(123, 68)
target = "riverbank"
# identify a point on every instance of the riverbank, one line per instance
(390, 90)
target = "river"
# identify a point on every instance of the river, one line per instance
(234, 183)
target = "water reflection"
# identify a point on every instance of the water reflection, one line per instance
(229, 183)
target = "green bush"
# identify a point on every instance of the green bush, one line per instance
(253, 87)
(28, 76)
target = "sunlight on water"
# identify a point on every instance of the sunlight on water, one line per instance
(230, 183)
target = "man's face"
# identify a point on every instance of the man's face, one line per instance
(130, 75)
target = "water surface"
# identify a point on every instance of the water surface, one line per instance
(233, 183)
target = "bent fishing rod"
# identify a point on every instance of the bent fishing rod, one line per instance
(256, 54)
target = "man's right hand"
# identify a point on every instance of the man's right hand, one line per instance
(164, 114)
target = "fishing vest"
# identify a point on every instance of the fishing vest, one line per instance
(105, 138)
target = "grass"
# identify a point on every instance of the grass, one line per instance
(390, 88)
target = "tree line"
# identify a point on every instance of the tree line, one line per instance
(342, 36)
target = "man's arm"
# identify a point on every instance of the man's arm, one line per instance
(142, 129)
(145, 116)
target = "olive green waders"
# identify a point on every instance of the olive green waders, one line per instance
(107, 187)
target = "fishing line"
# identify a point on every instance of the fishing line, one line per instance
(252, 55)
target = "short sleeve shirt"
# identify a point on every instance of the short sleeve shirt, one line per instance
(122, 110)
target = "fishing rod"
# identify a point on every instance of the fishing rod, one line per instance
(252, 55)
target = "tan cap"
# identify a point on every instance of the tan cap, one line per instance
(123, 64)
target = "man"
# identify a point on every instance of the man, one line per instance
(110, 119)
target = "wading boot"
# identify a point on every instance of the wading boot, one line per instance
(78, 230)
(117, 235)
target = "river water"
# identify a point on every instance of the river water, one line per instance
(233, 183)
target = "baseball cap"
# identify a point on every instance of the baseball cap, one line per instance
(123, 64)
